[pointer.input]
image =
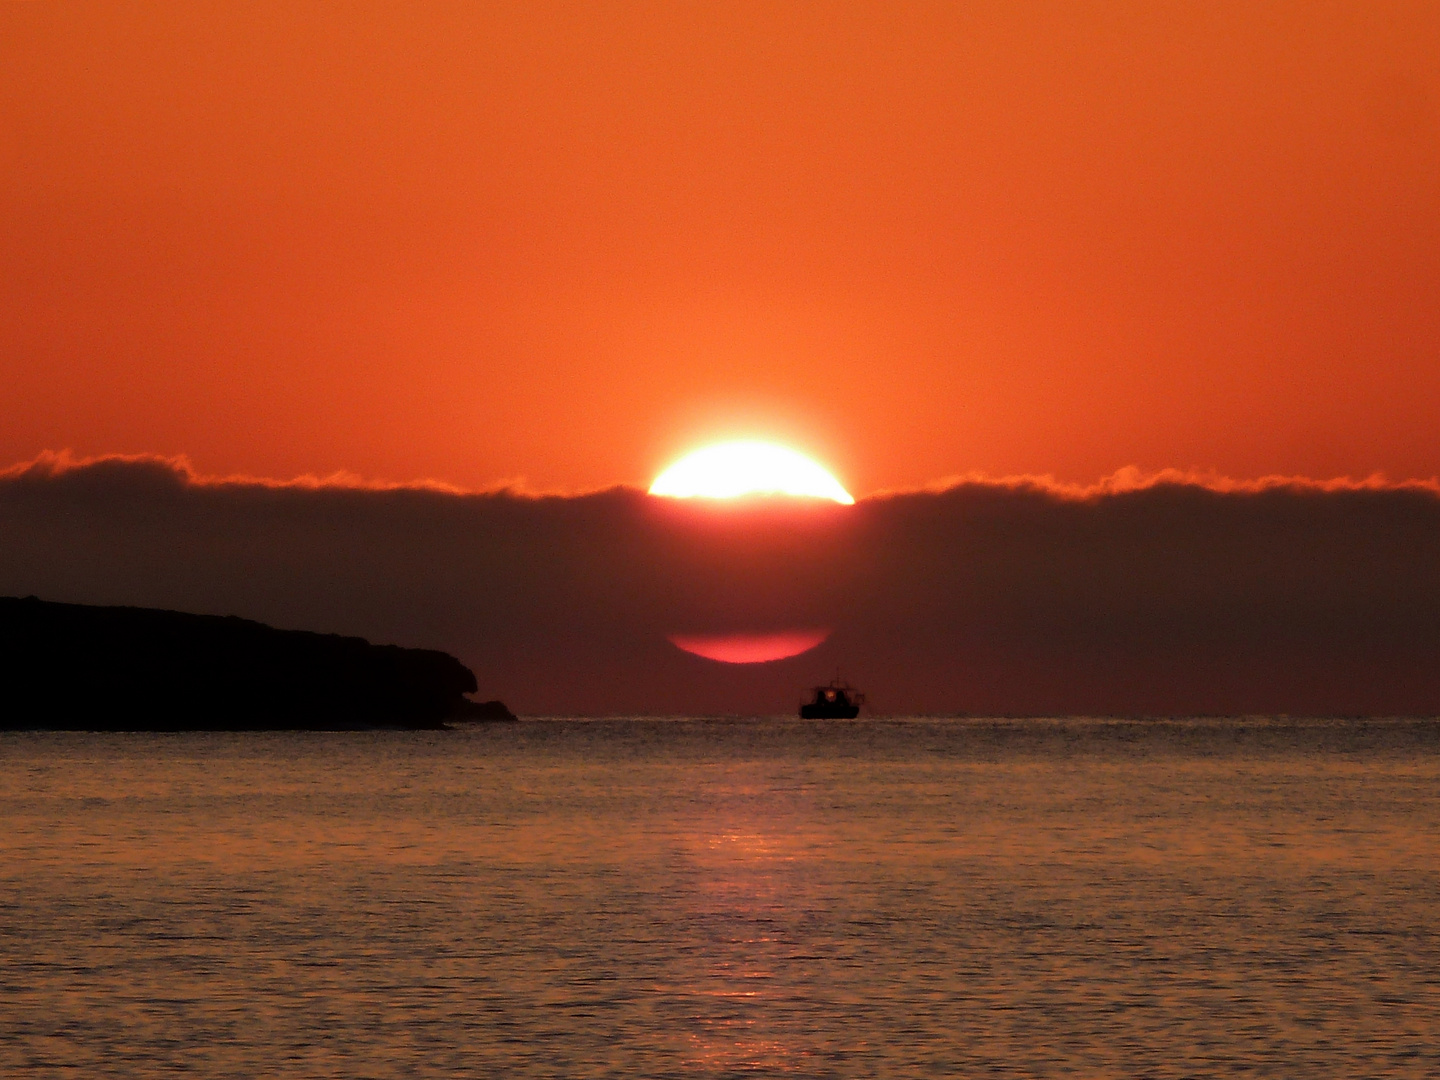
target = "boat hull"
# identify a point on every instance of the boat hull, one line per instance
(829, 711)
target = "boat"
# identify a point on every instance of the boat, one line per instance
(837, 701)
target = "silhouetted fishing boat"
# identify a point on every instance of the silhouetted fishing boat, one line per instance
(837, 701)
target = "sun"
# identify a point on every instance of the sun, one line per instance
(748, 467)
(751, 648)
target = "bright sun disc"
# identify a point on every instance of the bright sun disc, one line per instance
(747, 467)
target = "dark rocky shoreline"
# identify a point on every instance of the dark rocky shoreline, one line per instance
(77, 667)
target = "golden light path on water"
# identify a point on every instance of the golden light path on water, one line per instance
(647, 898)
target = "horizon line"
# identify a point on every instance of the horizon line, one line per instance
(51, 464)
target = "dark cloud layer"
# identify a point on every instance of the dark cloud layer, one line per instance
(1169, 597)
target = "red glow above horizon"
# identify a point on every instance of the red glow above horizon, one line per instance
(750, 648)
(550, 244)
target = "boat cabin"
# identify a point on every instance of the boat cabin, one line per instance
(836, 701)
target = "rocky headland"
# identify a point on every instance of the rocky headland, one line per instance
(78, 667)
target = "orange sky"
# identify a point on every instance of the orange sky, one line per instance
(566, 243)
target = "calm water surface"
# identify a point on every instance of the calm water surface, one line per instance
(709, 898)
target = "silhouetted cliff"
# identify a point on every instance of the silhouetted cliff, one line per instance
(137, 669)
(482, 711)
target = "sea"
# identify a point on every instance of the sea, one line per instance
(720, 897)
